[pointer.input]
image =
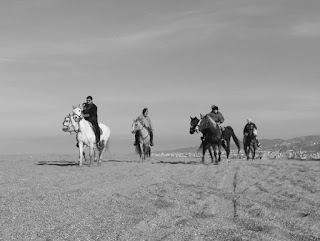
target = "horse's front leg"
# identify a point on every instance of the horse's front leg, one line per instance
(246, 150)
(215, 152)
(219, 153)
(81, 153)
(204, 148)
(210, 152)
(141, 152)
(253, 151)
(91, 153)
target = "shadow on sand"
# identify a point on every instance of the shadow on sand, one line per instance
(72, 163)
(59, 163)
(178, 162)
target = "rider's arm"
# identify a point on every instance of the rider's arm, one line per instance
(150, 123)
(221, 118)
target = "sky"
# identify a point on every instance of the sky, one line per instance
(252, 58)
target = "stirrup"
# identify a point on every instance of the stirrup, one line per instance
(151, 143)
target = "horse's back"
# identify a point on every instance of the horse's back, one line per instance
(105, 131)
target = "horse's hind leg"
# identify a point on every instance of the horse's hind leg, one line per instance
(219, 153)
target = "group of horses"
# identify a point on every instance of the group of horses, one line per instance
(75, 123)
(212, 137)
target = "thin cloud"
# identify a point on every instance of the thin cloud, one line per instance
(308, 29)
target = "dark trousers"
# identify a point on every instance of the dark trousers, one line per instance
(96, 128)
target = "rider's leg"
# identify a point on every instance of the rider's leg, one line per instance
(96, 132)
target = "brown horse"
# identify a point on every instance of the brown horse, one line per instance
(250, 143)
(212, 138)
(227, 134)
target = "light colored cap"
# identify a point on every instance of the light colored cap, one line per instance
(248, 120)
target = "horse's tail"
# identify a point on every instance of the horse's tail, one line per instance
(200, 147)
(235, 138)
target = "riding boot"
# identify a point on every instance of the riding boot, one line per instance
(97, 133)
(151, 138)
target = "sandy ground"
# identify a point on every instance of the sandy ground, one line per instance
(47, 197)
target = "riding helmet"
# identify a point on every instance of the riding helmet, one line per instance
(214, 107)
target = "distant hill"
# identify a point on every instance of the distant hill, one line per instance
(304, 143)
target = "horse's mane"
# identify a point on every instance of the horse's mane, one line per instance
(208, 123)
(212, 121)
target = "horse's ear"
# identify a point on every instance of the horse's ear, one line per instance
(79, 106)
(73, 107)
(201, 115)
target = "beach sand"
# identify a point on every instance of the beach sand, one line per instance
(48, 197)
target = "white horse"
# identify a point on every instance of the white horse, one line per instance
(143, 146)
(86, 136)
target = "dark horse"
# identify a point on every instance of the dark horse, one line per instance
(212, 138)
(250, 143)
(227, 134)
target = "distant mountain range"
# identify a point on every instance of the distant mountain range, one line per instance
(304, 143)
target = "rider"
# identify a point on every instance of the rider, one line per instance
(247, 128)
(219, 119)
(146, 122)
(90, 114)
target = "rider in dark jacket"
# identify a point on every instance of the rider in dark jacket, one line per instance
(218, 118)
(90, 114)
(251, 125)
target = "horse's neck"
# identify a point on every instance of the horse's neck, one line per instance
(210, 125)
(84, 125)
(212, 122)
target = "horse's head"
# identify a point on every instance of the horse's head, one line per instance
(66, 124)
(136, 126)
(193, 124)
(77, 113)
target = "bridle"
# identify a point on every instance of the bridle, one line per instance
(69, 125)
